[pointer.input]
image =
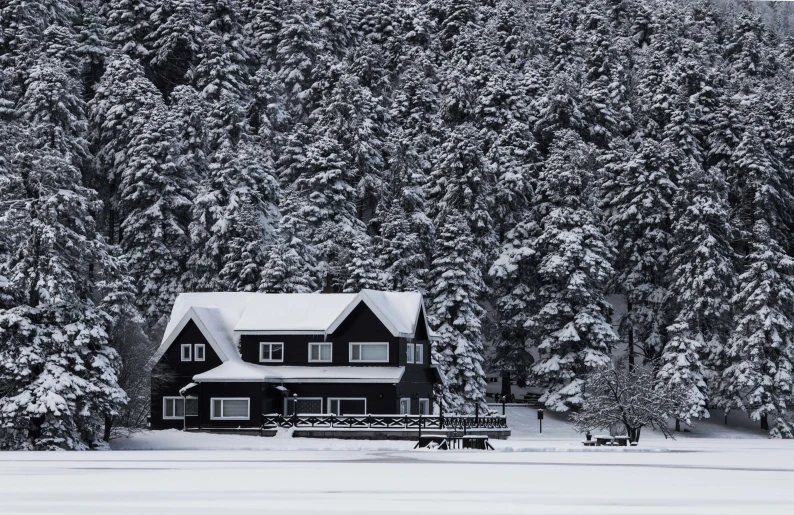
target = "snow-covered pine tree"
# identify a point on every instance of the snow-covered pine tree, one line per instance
(701, 286)
(175, 40)
(235, 203)
(455, 285)
(291, 265)
(570, 326)
(363, 269)
(405, 233)
(121, 95)
(760, 352)
(639, 216)
(154, 199)
(128, 24)
(58, 374)
(463, 180)
(324, 201)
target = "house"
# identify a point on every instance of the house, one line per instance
(228, 358)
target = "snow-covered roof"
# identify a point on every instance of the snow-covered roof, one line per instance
(238, 370)
(292, 312)
(223, 316)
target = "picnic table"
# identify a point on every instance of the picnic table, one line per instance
(432, 441)
(476, 442)
(603, 439)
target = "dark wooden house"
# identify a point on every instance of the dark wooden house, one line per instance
(228, 358)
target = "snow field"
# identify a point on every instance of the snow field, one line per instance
(712, 470)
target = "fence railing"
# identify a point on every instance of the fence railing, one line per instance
(420, 422)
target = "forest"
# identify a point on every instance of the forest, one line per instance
(516, 161)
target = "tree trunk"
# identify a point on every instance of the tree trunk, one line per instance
(677, 425)
(631, 340)
(764, 422)
(633, 433)
(506, 384)
(108, 427)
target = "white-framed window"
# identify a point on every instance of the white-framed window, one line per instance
(199, 353)
(230, 408)
(424, 406)
(173, 408)
(419, 353)
(309, 405)
(271, 352)
(409, 353)
(347, 405)
(405, 406)
(369, 352)
(187, 352)
(191, 406)
(320, 351)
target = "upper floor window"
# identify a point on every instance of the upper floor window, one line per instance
(320, 351)
(419, 353)
(409, 353)
(372, 352)
(199, 354)
(269, 351)
(187, 354)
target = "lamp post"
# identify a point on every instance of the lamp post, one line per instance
(294, 409)
(504, 400)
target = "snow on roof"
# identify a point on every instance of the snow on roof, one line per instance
(238, 370)
(221, 317)
(292, 312)
(402, 308)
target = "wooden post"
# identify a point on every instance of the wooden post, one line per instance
(420, 427)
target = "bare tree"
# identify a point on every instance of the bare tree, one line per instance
(628, 398)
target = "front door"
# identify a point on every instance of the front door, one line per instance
(405, 406)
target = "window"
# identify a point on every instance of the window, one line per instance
(173, 407)
(199, 352)
(419, 353)
(347, 406)
(424, 406)
(370, 352)
(312, 405)
(409, 353)
(405, 406)
(186, 352)
(229, 409)
(191, 406)
(319, 352)
(269, 351)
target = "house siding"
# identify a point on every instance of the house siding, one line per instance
(170, 373)
(362, 325)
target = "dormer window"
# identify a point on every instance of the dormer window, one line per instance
(320, 352)
(271, 352)
(187, 352)
(369, 352)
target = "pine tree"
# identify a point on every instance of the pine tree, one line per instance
(153, 207)
(175, 40)
(701, 285)
(235, 203)
(128, 25)
(455, 285)
(363, 269)
(570, 325)
(639, 215)
(58, 372)
(405, 233)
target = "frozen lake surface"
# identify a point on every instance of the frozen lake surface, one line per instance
(712, 470)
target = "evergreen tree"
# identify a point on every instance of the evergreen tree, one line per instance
(639, 215)
(455, 285)
(701, 285)
(570, 325)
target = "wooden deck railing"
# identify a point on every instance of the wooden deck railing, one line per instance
(455, 422)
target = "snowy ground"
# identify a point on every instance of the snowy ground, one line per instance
(714, 469)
